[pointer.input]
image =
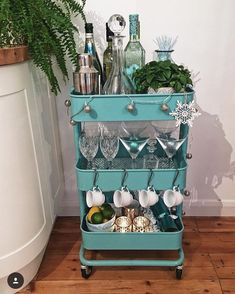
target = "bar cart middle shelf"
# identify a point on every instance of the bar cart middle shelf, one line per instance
(114, 108)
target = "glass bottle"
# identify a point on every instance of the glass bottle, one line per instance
(90, 49)
(108, 54)
(118, 82)
(134, 52)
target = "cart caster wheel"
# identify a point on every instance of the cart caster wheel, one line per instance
(178, 272)
(86, 271)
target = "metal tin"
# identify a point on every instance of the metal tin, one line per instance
(86, 80)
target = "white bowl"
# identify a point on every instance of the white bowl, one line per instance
(104, 227)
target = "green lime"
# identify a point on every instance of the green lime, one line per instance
(105, 205)
(97, 218)
(108, 212)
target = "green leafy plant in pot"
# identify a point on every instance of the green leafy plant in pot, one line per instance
(42, 29)
(162, 74)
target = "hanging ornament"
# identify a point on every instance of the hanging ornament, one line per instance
(164, 107)
(67, 103)
(73, 122)
(131, 107)
(87, 108)
(185, 113)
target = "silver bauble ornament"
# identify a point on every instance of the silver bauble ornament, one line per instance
(189, 155)
(186, 193)
(67, 103)
(87, 108)
(164, 107)
(73, 122)
(131, 107)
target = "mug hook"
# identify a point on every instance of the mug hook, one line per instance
(95, 178)
(124, 177)
(150, 177)
(176, 176)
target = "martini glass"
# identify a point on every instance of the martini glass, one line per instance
(170, 145)
(131, 140)
(168, 137)
(164, 127)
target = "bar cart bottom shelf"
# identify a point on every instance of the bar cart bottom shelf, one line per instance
(150, 241)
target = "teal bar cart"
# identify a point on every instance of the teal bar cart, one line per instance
(106, 108)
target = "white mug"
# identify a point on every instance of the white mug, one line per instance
(178, 197)
(148, 197)
(95, 197)
(122, 197)
(172, 197)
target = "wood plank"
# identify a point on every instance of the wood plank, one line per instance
(227, 272)
(209, 242)
(223, 259)
(64, 243)
(123, 287)
(216, 224)
(228, 286)
(67, 225)
(190, 224)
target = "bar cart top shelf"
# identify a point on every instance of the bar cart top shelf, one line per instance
(114, 107)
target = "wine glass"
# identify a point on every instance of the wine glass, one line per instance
(89, 144)
(133, 143)
(109, 143)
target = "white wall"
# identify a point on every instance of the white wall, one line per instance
(206, 44)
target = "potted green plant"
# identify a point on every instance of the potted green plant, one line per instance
(42, 30)
(156, 75)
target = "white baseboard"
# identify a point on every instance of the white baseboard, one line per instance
(209, 208)
(72, 210)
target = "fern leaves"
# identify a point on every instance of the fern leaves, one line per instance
(46, 27)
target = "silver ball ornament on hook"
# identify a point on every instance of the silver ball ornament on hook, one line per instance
(73, 122)
(87, 108)
(67, 103)
(131, 107)
(186, 193)
(164, 107)
(189, 155)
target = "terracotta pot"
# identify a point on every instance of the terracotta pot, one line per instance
(11, 55)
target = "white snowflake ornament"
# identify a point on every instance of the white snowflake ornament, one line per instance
(185, 113)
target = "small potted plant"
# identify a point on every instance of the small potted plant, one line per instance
(162, 77)
(41, 30)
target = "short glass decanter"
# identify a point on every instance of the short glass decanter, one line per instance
(134, 52)
(118, 82)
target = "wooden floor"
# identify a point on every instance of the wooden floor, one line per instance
(209, 245)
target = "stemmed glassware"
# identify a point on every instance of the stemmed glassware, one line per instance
(132, 140)
(109, 142)
(169, 142)
(89, 144)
